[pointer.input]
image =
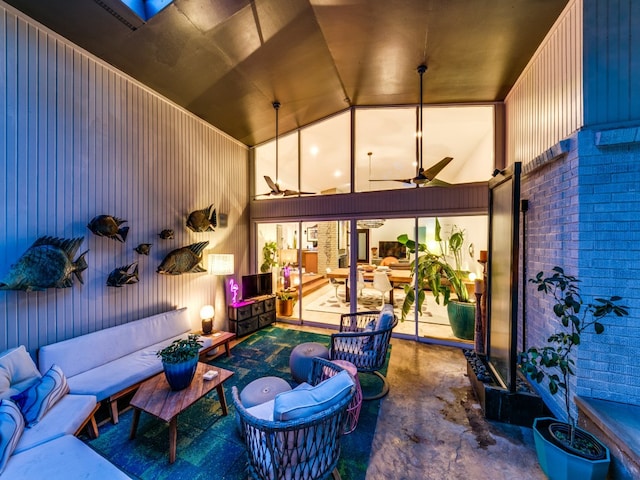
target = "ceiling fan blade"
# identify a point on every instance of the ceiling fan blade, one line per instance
(434, 170)
(272, 185)
(436, 183)
(403, 180)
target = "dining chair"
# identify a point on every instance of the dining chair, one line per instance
(336, 282)
(382, 284)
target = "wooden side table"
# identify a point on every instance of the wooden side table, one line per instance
(218, 338)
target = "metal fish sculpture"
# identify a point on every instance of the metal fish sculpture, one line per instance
(121, 276)
(166, 234)
(48, 263)
(143, 248)
(202, 220)
(183, 260)
(109, 226)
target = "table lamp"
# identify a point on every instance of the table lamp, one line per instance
(206, 314)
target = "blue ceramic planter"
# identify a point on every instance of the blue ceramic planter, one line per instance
(180, 375)
(462, 319)
(558, 464)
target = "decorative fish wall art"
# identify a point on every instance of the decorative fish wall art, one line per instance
(183, 260)
(109, 226)
(48, 263)
(202, 220)
(143, 248)
(166, 234)
(120, 276)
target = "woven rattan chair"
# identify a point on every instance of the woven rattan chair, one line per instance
(365, 348)
(303, 449)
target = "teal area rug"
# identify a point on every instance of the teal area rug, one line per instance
(208, 443)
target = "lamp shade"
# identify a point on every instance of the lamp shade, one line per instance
(207, 312)
(221, 263)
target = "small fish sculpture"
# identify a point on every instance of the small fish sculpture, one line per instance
(202, 220)
(121, 276)
(183, 260)
(48, 263)
(109, 226)
(143, 248)
(166, 234)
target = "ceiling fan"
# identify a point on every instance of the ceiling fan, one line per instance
(276, 191)
(423, 178)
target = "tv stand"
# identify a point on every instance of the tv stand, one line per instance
(247, 316)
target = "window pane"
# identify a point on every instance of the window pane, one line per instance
(325, 152)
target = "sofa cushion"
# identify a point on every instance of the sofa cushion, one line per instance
(11, 428)
(37, 400)
(65, 417)
(302, 403)
(86, 352)
(17, 371)
(63, 458)
(385, 318)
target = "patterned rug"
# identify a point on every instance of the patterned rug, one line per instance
(209, 446)
(371, 301)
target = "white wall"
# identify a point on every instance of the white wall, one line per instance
(82, 139)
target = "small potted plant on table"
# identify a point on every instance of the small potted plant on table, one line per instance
(285, 302)
(180, 360)
(564, 450)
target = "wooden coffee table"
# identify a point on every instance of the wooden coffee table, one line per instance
(156, 398)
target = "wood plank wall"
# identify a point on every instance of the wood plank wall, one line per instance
(546, 105)
(80, 139)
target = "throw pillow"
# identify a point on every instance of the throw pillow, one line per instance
(385, 319)
(16, 366)
(299, 404)
(11, 428)
(367, 342)
(38, 399)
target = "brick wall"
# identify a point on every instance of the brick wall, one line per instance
(583, 217)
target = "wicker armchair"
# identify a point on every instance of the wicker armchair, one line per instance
(365, 348)
(301, 449)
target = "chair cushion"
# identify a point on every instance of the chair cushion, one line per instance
(16, 368)
(11, 428)
(385, 319)
(302, 403)
(38, 399)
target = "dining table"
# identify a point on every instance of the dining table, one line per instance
(396, 277)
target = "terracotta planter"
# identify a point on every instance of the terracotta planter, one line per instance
(180, 375)
(284, 308)
(462, 318)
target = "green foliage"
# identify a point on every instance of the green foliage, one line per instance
(284, 295)
(269, 250)
(181, 350)
(555, 361)
(431, 269)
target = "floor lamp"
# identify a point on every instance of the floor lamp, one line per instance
(221, 264)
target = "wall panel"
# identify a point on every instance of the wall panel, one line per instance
(545, 104)
(80, 139)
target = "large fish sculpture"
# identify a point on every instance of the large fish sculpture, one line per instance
(202, 220)
(48, 263)
(120, 276)
(109, 226)
(183, 260)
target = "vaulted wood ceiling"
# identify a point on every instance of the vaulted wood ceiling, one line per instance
(228, 60)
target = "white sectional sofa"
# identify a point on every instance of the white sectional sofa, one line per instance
(112, 362)
(43, 449)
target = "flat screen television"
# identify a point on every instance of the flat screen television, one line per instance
(257, 285)
(392, 249)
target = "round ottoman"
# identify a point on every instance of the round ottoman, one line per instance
(262, 390)
(300, 359)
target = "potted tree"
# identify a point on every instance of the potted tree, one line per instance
(436, 271)
(564, 450)
(180, 360)
(269, 250)
(285, 302)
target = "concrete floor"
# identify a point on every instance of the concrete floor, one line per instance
(430, 425)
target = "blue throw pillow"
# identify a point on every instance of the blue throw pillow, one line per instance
(11, 428)
(385, 319)
(298, 403)
(38, 399)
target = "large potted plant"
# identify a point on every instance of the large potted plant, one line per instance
(564, 450)
(180, 360)
(441, 276)
(269, 250)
